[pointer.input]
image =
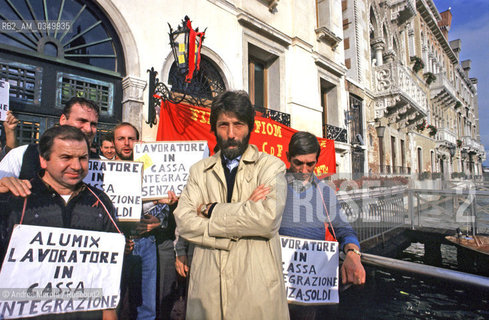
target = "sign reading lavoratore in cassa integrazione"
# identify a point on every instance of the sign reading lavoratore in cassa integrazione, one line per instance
(55, 270)
(167, 165)
(121, 181)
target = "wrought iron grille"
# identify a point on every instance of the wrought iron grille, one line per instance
(31, 127)
(336, 133)
(28, 132)
(24, 85)
(282, 117)
(206, 84)
(355, 113)
(99, 91)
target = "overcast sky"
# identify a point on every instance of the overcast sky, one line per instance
(470, 23)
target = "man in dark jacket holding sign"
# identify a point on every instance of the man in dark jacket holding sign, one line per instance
(57, 197)
(311, 206)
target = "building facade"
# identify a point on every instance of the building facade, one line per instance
(346, 70)
(421, 104)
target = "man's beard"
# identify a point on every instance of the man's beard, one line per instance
(121, 156)
(235, 152)
(129, 158)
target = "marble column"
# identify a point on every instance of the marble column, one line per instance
(132, 101)
(378, 46)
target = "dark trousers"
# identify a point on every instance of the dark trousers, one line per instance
(138, 282)
(167, 278)
(300, 312)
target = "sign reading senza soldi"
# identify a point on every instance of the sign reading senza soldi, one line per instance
(310, 270)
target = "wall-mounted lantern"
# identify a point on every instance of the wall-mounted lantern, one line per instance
(186, 44)
(380, 131)
(452, 151)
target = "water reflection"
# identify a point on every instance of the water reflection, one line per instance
(390, 295)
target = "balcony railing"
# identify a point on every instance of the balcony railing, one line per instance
(282, 117)
(385, 169)
(468, 142)
(388, 169)
(371, 213)
(479, 146)
(403, 10)
(394, 79)
(335, 133)
(443, 91)
(446, 135)
(402, 170)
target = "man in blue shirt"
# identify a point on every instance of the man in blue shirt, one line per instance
(311, 205)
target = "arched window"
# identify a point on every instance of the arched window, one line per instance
(373, 33)
(72, 30)
(373, 25)
(59, 49)
(205, 85)
(385, 34)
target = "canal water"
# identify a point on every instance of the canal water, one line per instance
(393, 295)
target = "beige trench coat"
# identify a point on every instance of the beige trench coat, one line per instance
(236, 270)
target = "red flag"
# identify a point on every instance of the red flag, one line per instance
(180, 122)
(192, 62)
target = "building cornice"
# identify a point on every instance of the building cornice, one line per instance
(466, 79)
(298, 42)
(426, 11)
(329, 65)
(225, 5)
(327, 36)
(263, 29)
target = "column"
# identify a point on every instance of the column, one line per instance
(378, 46)
(132, 101)
(389, 56)
(411, 44)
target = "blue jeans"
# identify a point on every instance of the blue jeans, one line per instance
(139, 279)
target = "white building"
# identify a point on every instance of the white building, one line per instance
(317, 60)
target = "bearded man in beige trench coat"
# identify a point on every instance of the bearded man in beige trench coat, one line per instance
(231, 209)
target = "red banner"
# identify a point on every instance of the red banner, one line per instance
(179, 122)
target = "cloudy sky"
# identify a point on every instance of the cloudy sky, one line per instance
(470, 23)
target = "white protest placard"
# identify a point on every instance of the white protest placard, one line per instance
(121, 181)
(310, 270)
(55, 270)
(4, 99)
(167, 165)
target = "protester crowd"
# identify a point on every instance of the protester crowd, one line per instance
(214, 252)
